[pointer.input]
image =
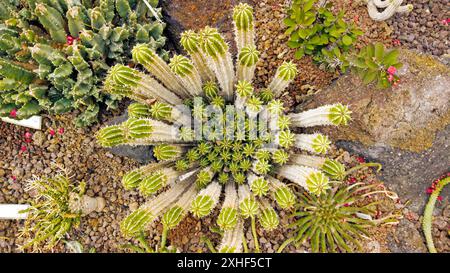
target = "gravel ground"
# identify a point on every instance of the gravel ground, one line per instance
(423, 29)
(77, 150)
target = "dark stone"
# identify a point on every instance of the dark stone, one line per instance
(407, 173)
(142, 154)
(406, 239)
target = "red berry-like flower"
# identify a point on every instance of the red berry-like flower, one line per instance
(28, 135)
(352, 180)
(391, 70)
(429, 190)
(13, 178)
(61, 131)
(52, 132)
(396, 42)
(13, 113)
(440, 198)
(23, 149)
(361, 159)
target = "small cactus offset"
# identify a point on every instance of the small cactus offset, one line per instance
(217, 134)
(57, 206)
(388, 8)
(54, 54)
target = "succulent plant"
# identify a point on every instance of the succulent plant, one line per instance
(388, 8)
(427, 221)
(228, 136)
(375, 63)
(314, 30)
(336, 220)
(56, 207)
(54, 54)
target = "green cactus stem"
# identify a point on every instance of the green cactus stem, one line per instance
(219, 59)
(191, 44)
(247, 60)
(428, 213)
(244, 26)
(285, 74)
(336, 114)
(144, 55)
(309, 178)
(188, 74)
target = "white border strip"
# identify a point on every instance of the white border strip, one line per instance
(35, 122)
(12, 212)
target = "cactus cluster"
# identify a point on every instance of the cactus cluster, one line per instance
(380, 10)
(54, 54)
(56, 207)
(216, 138)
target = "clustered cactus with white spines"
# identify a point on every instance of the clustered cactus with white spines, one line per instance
(388, 7)
(238, 155)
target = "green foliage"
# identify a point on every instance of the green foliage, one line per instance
(316, 31)
(54, 55)
(372, 62)
(50, 216)
(336, 220)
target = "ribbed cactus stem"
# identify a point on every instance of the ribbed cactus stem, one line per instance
(191, 44)
(125, 81)
(390, 8)
(232, 239)
(154, 182)
(164, 152)
(282, 193)
(218, 59)
(228, 216)
(154, 64)
(258, 185)
(248, 207)
(133, 178)
(176, 213)
(244, 90)
(314, 143)
(268, 218)
(332, 168)
(309, 178)
(285, 74)
(173, 114)
(139, 219)
(336, 114)
(243, 25)
(427, 221)
(247, 60)
(75, 20)
(206, 200)
(187, 73)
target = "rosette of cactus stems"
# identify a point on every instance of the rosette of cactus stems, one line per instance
(239, 158)
(56, 207)
(337, 220)
(55, 54)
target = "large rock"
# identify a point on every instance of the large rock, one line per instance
(140, 153)
(405, 128)
(182, 15)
